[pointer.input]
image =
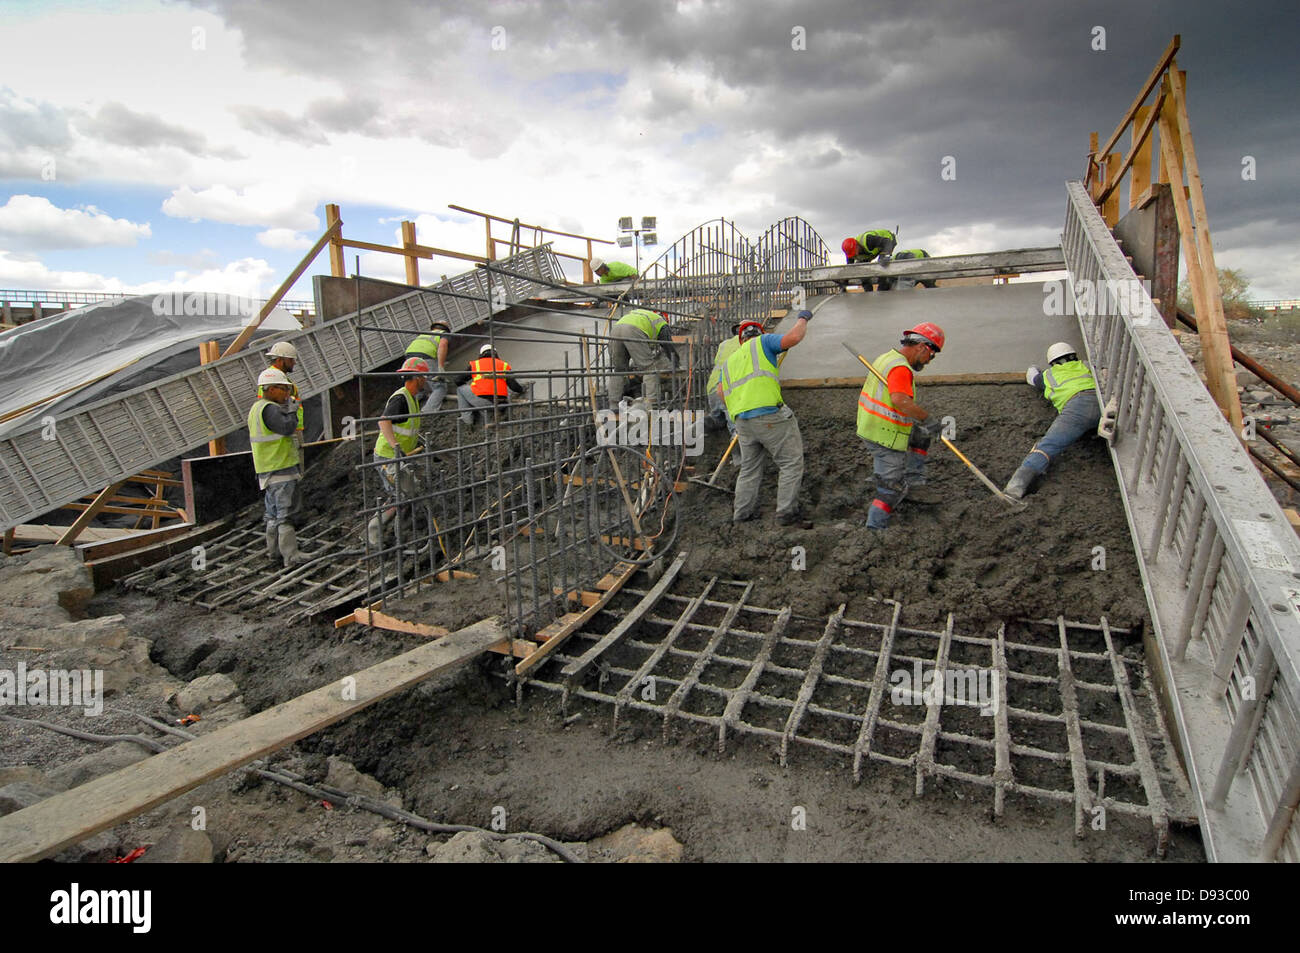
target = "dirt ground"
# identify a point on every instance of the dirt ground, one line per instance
(457, 747)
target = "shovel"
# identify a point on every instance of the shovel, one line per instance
(993, 487)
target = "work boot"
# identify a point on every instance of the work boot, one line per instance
(272, 542)
(796, 519)
(1020, 483)
(289, 547)
(375, 532)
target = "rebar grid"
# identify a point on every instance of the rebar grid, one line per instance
(1062, 722)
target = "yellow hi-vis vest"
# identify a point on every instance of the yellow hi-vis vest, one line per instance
(749, 379)
(271, 451)
(725, 350)
(878, 420)
(649, 323)
(408, 433)
(1065, 380)
(426, 345)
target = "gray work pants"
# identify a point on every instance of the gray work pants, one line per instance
(471, 403)
(778, 434)
(629, 348)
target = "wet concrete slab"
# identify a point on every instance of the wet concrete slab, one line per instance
(989, 328)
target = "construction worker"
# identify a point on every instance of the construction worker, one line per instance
(906, 284)
(432, 349)
(640, 340)
(895, 427)
(718, 417)
(1070, 386)
(866, 247)
(399, 435)
(272, 423)
(485, 386)
(751, 387)
(608, 271)
(283, 356)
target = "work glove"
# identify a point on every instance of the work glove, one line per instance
(931, 427)
(886, 259)
(805, 314)
(1031, 374)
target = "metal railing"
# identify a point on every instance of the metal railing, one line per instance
(69, 299)
(1219, 562)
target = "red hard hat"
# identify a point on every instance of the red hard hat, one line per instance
(849, 246)
(930, 332)
(744, 328)
(414, 365)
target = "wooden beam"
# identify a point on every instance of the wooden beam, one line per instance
(210, 351)
(249, 330)
(1092, 178)
(555, 634)
(1293, 518)
(412, 259)
(334, 227)
(88, 514)
(1110, 206)
(1216, 350)
(419, 251)
(1139, 185)
(49, 826)
(1166, 59)
(512, 221)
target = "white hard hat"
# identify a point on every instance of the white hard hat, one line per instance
(283, 349)
(273, 376)
(485, 349)
(597, 264)
(1060, 349)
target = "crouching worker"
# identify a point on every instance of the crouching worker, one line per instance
(895, 427)
(1070, 386)
(272, 424)
(399, 435)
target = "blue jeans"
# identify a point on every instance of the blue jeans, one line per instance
(895, 472)
(281, 501)
(1080, 415)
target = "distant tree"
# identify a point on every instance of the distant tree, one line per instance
(1235, 287)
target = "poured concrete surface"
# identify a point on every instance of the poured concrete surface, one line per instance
(989, 328)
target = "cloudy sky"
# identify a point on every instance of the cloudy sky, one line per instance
(149, 145)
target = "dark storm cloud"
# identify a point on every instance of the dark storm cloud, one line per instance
(278, 124)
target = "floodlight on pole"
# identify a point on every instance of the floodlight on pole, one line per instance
(636, 237)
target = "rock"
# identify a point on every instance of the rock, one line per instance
(381, 836)
(466, 847)
(343, 775)
(107, 632)
(21, 794)
(47, 577)
(99, 848)
(519, 851)
(185, 846)
(633, 844)
(97, 763)
(205, 691)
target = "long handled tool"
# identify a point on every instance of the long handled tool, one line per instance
(993, 487)
(711, 482)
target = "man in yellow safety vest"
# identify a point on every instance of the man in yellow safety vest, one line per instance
(751, 387)
(399, 435)
(272, 426)
(432, 349)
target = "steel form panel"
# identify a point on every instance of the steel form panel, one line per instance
(95, 446)
(1222, 582)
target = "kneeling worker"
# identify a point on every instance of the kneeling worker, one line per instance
(865, 248)
(751, 388)
(484, 386)
(272, 424)
(432, 349)
(609, 271)
(896, 428)
(640, 340)
(1070, 386)
(906, 284)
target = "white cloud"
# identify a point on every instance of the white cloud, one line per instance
(34, 222)
(250, 277)
(273, 204)
(283, 239)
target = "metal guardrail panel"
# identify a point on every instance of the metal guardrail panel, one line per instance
(1220, 564)
(60, 460)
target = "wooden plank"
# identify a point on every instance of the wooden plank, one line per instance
(49, 826)
(1166, 58)
(578, 667)
(412, 259)
(250, 329)
(1293, 518)
(88, 514)
(1110, 206)
(521, 648)
(335, 226)
(130, 539)
(1141, 143)
(1215, 347)
(559, 632)
(107, 570)
(210, 351)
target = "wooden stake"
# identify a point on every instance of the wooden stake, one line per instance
(1143, 122)
(334, 228)
(412, 259)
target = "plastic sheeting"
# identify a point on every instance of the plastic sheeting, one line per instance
(58, 363)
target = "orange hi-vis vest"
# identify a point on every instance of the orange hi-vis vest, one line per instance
(484, 381)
